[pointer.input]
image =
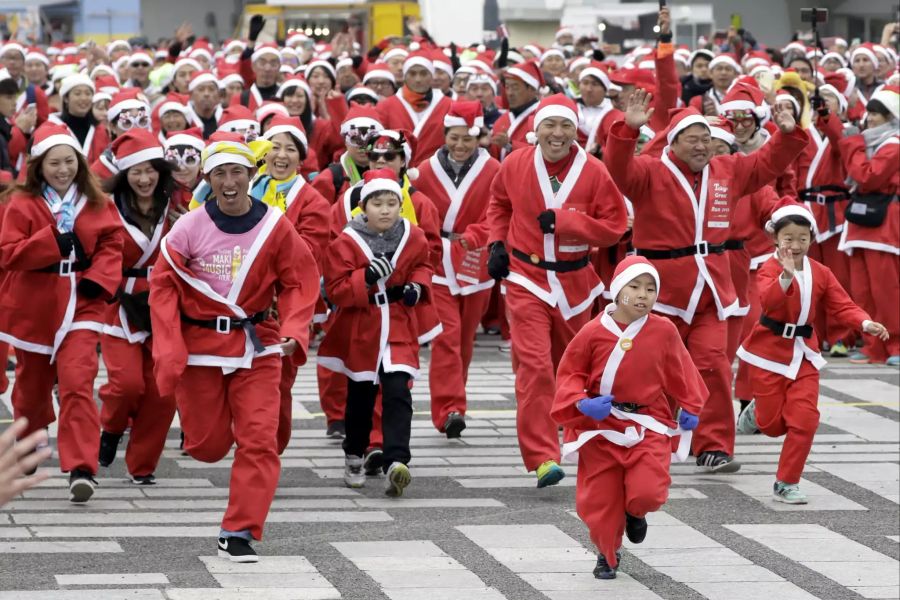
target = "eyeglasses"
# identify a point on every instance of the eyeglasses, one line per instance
(387, 156)
(744, 119)
(128, 121)
(189, 157)
(141, 65)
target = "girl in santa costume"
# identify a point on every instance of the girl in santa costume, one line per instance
(458, 179)
(617, 385)
(182, 151)
(141, 191)
(278, 184)
(871, 235)
(376, 272)
(61, 254)
(77, 94)
(216, 346)
(783, 349)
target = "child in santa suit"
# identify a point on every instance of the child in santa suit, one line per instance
(783, 350)
(617, 385)
(376, 272)
(61, 255)
(458, 180)
(216, 346)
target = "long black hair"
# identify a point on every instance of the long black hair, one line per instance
(306, 117)
(119, 188)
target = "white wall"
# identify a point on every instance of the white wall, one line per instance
(159, 18)
(460, 21)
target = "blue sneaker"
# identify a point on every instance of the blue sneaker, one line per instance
(549, 473)
(858, 358)
(893, 361)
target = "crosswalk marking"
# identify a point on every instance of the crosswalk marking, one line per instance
(551, 562)
(293, 574)
(112, 579)
(419, 569)
(858, 421)
(91, 594)
(845, 561)
(876, 391)
(60, 547)
(884, 480)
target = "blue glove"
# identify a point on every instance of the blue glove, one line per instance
(687, 421)
(596, 408)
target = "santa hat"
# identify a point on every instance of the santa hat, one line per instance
(295, 39)
(684, 119)
(534, 49)
(528, 72)
(362, 92)
(187, 62)
(683, 55)
(175, 102)
(701, 53)
(229, 45)
(748, 97)
(836, 83)
(379, 70)
(191, 137)
(101, 70)
(201, 77)
(421, 58)
(465, 113)
(286, 124)
(361, 116)
(552, 52)
(297, 81)
(846, 85)
(117, 45)
(790, 208)
(480, 78)
(834, 56)
(723, 131)
(889, 96)
(52, 134)
(631, 267)
(483, 61)
(201, 48)
(135, 146)
(36, 54)
(73, 81)
(596, 70)
(395, 51)
(379, 180)
(557, 105)
(140, 56)
(785, 96)
(639, 78)
(12, 46)
(269, 48)
(725, 59)
(402, 138)
(227, 148)
(563, 31)
(324, 64)
(867, 49)
(269, 109)
(237, 117)
(794, 46)
(126, 99)
(344, 62)
(229, 78)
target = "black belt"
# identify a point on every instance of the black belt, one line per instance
(786, 330)
(560, 266)
(226, 324)
(629, 407)
(389, 296)
(734, 244)
(446, 234)
(824, 194)
(66, 267)
(137, 272)
(703, 249)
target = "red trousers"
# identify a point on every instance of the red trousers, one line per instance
(536, 328)
(706, 339)
(827, 328)
(743, 387)
(613, 480)
(286, 406)
(875, 279)
(788, 408)
(451, 351)
(218, 410)
(75, 368)
(131, 395)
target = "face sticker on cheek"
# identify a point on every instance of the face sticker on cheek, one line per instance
(626, 300)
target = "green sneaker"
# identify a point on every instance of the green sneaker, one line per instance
(549, 473)
(789, 493)
(839, 350)
(746, 423)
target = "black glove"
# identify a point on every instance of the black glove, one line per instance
(498, 262)
(379, 268)
(89, 289)
(547, 219)
(257, 22)
(411, 294)
(819, 105)
(65, 241)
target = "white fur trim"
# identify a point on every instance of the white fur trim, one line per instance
(420, 61)
(632, 272)
(294, 131)
(182, 139)
(797, 210)
(260, 52)
(724, 59)
(554, 110)
(146, 154)
(524, 76)
(599, 74)
(868, 52)
(203, 78)
(684, 124)
(60, 139)
(380, 185)
(73, 81)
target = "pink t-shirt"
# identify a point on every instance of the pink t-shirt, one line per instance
(212, 255)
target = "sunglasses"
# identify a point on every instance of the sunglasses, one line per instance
(189, 157)
(387, 156)
(127, 121)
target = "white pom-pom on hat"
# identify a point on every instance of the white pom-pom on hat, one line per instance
(412, 173)
(414, 46)
(474, 130)
(531, 137)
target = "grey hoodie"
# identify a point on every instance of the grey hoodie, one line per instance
(379, 243)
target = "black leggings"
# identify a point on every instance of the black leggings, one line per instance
(396, 419)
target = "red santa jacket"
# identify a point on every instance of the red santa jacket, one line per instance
(516, 129)
(750, 217)
(813, 289)
(40, 308)
(325, 141)
(670, 215)
(462, 211)
(279, 263)
(587, 135)
(589, 212)
(427, 125)
(644, 363)
(876, 175)
(366, 337)
(333, 180)
(310, 215)
(820, 165)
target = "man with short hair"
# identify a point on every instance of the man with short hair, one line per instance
(204, 103)
(522, 83)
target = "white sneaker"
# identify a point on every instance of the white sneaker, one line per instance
(397, 479)
(353, 471)
(746, 423)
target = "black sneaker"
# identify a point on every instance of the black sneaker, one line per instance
(603, 570)
(81, 486)
(718, 462)
(635, 528)
(454, 425)
(237, 550)
(143, 479)
(181, 446)
(336, 430)
(109, 443)
(374, 462)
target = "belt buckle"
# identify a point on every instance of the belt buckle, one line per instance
(381, 298)
(534, 258)
(702, 249)
(65, 267)
(821, 199)
(149, 270)
(790, 331)
(223, 325)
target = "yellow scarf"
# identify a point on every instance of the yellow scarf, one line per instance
(407, 210)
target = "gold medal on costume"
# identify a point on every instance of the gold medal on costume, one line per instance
(626, 344)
